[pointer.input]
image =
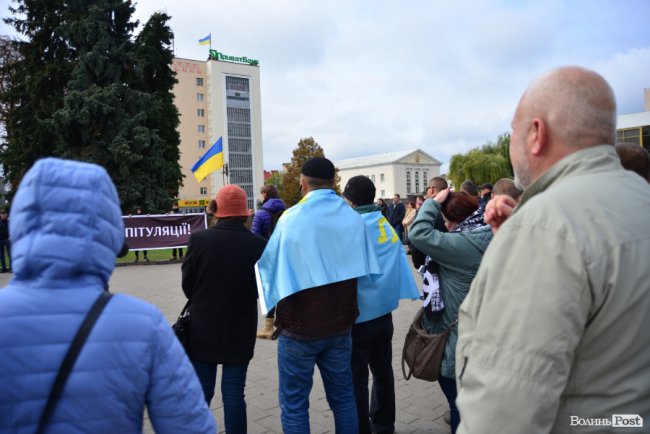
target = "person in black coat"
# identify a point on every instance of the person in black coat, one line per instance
(5, 243)
(219, 279)
(397, 215)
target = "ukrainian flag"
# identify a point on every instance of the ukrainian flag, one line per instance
(209, 162)
(206, 40)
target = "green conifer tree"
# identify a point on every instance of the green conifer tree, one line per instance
(154, 54)
(84, 89)
(35, 84)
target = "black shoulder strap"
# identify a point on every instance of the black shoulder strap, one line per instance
(71, 357)
(273, 213)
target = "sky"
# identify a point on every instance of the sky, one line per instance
(368, 77)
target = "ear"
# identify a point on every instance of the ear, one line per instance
(538, 137)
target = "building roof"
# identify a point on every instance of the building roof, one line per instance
(380, 159)
(633, 120)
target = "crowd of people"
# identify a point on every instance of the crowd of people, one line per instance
(542, 282)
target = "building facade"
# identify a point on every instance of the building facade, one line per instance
(635, 127)
(405, 173)
(216, 98)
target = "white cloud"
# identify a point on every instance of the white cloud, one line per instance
(367, 77)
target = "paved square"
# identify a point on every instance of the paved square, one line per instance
(420, 405)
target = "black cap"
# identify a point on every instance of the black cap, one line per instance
(360, 190)
(318, 167)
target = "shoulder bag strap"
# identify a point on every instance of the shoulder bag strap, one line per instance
(71, 357)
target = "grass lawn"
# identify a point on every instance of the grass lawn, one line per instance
(153, 255)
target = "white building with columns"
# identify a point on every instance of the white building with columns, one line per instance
(405, 173)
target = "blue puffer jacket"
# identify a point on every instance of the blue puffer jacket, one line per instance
(263, 217)
(67, 229)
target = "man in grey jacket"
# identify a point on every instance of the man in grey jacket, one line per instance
(553, 336)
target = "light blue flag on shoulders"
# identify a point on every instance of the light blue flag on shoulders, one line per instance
(380, 295)
(318, 241)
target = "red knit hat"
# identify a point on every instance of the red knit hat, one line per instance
(231, 202)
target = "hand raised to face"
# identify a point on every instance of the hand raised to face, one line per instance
(498, 210)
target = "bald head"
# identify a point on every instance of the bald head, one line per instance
(578, 105)
(562, 112)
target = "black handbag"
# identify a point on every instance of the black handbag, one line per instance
(71, 357)
(182, 326)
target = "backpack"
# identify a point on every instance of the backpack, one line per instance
(275, 216)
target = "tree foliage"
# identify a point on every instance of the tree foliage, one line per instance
(84, 88)
(8, 59)
(290, 191)
(489, 163)
(154, 54)
(37, 82)
(276, 180)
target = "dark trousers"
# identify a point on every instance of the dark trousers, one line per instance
(399, 230)
(5, 245)
(448, 386)
(372, 348)
(180, 253)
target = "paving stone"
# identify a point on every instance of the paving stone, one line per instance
(420, 404)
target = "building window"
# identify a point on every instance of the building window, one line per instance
(202, 144)
(199, 97)
(201, 129)
(200, 113)
(240, 134)
(381, 177)
(199, 81)
(204, 191)
(372, 178)
(417, 182)
(408, 182)
(425, 178)
(383, 193)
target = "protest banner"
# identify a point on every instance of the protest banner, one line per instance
(161, 231)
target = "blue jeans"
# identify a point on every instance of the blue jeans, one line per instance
(296, 361)
(233, 380)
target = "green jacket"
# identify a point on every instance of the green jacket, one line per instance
(556, 328)
(458, 256)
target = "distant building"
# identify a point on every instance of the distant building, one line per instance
(219, 98)
(270, 173)
(635, 127)
(406, 173)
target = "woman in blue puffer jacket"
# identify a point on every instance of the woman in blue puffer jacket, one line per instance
(271, 206)
(67, 229)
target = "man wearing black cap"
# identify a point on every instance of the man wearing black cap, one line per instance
(310, 268)
(377, 298)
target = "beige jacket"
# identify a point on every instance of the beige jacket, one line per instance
(409, 217)
(556, 327)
